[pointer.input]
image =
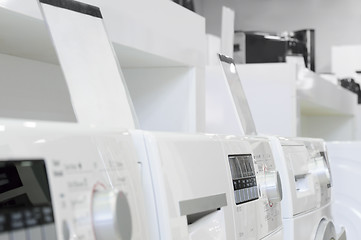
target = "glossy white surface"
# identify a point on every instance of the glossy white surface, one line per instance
(97, 90)
(184, 168)
(78, 161)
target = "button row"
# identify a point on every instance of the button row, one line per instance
(45, 232)
(245, 195)
(18, 219)
(244, 183)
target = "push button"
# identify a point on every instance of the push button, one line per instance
(4, 236)
(255, 192)
(247, 194)
(16, 220)
(49, 231)
(236, 196)
(250, 192)
(242, 195)
(47, 215)
(239, 196)
(3, 227)
(31, 219)
(18, 235)
(34, 233)
(235, 185)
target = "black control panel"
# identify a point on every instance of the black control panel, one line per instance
(243, 177)
(25, 200)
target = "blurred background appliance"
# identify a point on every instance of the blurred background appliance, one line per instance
(189, 4)
(266, 47)
(352, 85)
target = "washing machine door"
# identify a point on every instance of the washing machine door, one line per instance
(326, 231)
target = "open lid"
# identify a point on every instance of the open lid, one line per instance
(98, 93)
(243, 112)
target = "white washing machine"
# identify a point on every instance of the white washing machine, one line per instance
(61, 181)
(346, 167)
(306, 180)
(210, 186)
(305, 173)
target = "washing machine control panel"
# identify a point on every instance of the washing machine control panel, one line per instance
(62, 181)
(251, 158)
(243, 177)
(25, 203)
(269, 204)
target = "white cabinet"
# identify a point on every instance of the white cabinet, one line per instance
(326, 110)
(160, 46)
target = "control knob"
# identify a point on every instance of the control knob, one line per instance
(111, 215)
(272, 186)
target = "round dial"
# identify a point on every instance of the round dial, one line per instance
(111, 215)
(272, 186)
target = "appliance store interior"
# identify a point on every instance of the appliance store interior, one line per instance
(180, 119)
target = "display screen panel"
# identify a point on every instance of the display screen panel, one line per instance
(25, 199)
(243, 178)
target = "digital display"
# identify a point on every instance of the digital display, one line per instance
(241, 166)
(25, 199)
(243, 178)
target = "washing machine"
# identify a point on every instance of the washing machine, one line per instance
(305, 176)
(211, 186)
(346, 166)
(65, 182)
(302, 163)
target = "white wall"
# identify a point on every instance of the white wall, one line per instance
(333, 128)
(271, 94)
(337, 22)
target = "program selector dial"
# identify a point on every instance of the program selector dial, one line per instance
(111, 215)
(273, 186)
